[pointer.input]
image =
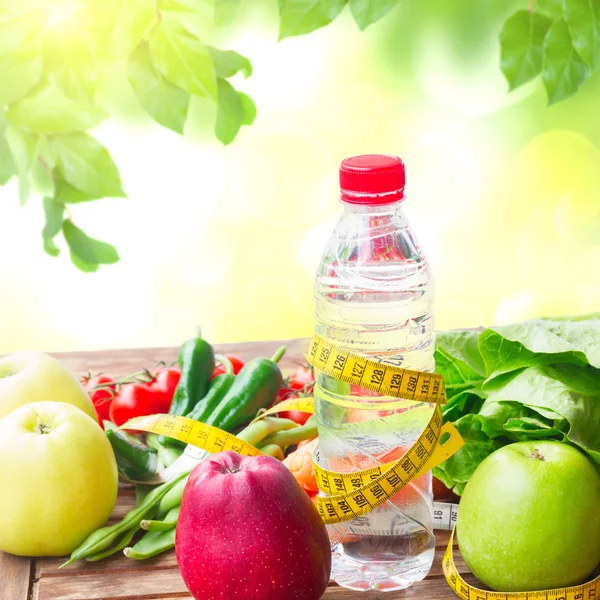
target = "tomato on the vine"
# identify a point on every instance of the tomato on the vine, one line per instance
(133, 400)
(101, 398)
(236, 362)
(295, 415)
(139, 399)
(165, 382)
(301, 377)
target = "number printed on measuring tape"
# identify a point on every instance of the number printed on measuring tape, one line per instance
(359, 492)
(209, 438)
(385, 379)
(585, 591)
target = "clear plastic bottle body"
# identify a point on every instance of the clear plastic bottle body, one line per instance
(373, 294)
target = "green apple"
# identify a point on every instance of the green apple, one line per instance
(529, 518)
(36, 377)
(58, 479)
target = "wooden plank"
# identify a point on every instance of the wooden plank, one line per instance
(124, 361)
(15, 577)
(95, 581)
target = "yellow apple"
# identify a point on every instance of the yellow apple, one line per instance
(58, 479)
(36, 377)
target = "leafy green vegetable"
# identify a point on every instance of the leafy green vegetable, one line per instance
(534, 380)
(455, 472)
(544, 341)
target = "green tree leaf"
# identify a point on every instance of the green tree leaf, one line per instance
(53, 212)
(563, 69)
(249, 109)
(116, 27)
(67, 194)
(225, 11)
(20, 58)
(230, 112)
(554, 8)
(70, 64)
(86, 164)
(86, 252)
(166, 103)
(366, 12)
(7, 165)
(522, 46)
(20, 70)
(583, 19)
(47, 110)
(298, 17)
(183, 59)
(228, 63)
(23, 149)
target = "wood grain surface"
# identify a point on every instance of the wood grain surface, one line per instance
(119, 578)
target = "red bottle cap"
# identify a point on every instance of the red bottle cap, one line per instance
(372, 179)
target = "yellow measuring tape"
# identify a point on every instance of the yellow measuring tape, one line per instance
(586, 591)
(387, 380)
(190, 431)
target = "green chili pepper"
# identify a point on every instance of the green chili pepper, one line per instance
(256, 386)
(135, 461)
(197, 363)
(219, 386)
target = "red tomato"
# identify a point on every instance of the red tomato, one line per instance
(102, 398)
(236, 362)
(300, 378)
(295, 415)
(134, 400)
(164, 384)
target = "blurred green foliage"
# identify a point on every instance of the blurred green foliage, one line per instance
(53, 56)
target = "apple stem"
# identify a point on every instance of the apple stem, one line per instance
(43, 428)
(537, 455)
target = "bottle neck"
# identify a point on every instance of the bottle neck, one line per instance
(380, 210)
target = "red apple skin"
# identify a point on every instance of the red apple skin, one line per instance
(248, 531)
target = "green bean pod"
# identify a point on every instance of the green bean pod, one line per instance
(153, 543)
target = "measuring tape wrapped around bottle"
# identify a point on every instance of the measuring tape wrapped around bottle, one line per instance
(354, 494)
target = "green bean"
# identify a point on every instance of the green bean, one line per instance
(153, 543)
(257, 431)
(273, 450)
(103, 538)
(171, 499)
(293, 436)
(123, 543)
(165, 524)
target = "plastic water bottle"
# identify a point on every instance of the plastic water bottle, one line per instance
(373, 293)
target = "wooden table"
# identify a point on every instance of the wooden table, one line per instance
(119, 578)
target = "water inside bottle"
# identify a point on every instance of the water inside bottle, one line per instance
(382, 311)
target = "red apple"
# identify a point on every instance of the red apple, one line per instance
(247, 530)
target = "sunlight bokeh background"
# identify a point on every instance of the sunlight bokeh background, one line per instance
(503, 192)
